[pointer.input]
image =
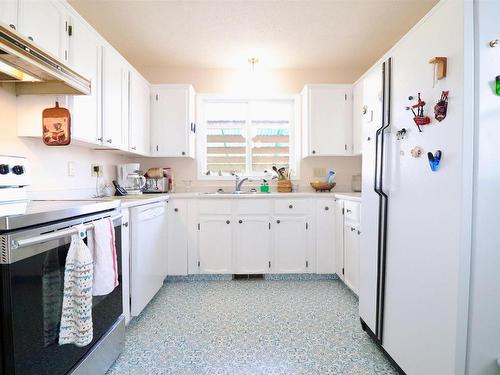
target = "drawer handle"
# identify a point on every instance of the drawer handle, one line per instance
(290, 206)
(176, 209)
(278, 221)
(240, 221)
(327, 208)
(228, 222)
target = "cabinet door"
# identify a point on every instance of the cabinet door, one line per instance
(357, 118)
(172, 127)
(215, 244)
(44, 22)
(177, 257)
(139, 114)
(329, 120)
(8, 13)
(339, 238)
(351, 256)
(115, 99)
(290, 244)
(253, 244)
(85, 59)
(325, 236)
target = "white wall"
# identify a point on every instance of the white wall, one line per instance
(262, 82)
(49, 165)
(484, 320)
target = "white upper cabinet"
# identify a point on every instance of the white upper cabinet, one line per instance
(173, 125)
(358, 111)
(8, 13)
(114, 100)
(326, 120)
(45, 23)
(140, 107)
(85, 58)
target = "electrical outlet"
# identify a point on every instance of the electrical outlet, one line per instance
(71, 168)
(319, 172)
(96, 170)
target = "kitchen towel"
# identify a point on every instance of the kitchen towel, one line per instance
(102, 245)
(76, 318)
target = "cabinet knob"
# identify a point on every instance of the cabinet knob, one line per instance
(327, 208)
(313, 151)
(348, 211)
(125, 225)
(369, 138)
(278, 221)
(228, 222)
(290, 206)
(31, 38)
(109, 140)
(133, 148)
(353, 229)
(176, 209)
(183, 153)
(12, 26)
(359, 232)
(240, 221)
(99, 139)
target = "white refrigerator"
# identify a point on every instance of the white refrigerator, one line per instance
(412, 295)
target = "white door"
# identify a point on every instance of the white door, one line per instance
(330, 108)
(139, 114)
(44, 22)
(290, 244)
(215, 244)
(85, 59)
(8, 13)
(171, 124)
(351, 256)
(148, 253)
(253, 244)
(115, 99)
(325, 236)
(177, 257)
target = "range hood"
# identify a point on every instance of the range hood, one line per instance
(35, 71)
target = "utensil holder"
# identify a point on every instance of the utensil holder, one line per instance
(284, 186)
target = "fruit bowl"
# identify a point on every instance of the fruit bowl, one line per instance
(322, 186)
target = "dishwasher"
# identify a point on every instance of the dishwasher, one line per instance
(148, 253)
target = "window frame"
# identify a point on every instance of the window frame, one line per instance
(201, 148)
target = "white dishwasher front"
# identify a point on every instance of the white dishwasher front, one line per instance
(148, 253)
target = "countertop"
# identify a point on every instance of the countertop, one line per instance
(128, 201)
(197, 195)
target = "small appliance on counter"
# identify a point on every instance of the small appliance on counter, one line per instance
(158, 180)
(130, 178)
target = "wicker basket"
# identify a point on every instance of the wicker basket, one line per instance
(284, 186)
(322, 186)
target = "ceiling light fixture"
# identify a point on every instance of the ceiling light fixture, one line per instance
(253, 61)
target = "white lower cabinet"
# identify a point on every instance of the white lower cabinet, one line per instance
(252, 250)
(215, 244)
(325, 236)
(351, 256)
(177, 248)
(339, 238)
(290, 244)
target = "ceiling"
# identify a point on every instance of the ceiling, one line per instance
(301, 34)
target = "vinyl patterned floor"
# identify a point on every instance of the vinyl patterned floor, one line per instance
(281, 326)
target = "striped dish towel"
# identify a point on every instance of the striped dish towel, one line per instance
(76, 318)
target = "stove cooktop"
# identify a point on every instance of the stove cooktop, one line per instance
(16, 215)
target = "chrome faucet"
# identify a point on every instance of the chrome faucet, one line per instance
(238, 182)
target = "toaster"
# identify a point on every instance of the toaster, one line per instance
(154, 185)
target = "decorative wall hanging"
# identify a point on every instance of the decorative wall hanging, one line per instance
(56, 123)
(440, 66)
(435, 160)
(441, 107)
(418, 113)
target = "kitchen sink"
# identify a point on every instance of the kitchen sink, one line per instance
(234, 193)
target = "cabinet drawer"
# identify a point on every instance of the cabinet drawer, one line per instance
(352, 211)
(214, 206)
(291, 206)
(253, 206)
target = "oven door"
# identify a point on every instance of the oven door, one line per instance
(31, 290)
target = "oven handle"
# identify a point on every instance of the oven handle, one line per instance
(16, 244)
